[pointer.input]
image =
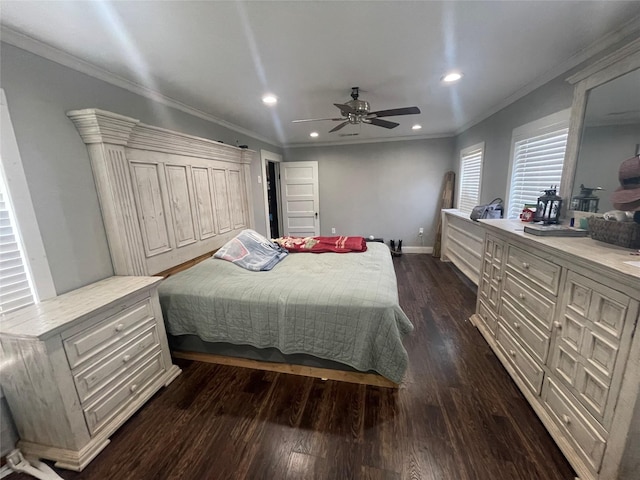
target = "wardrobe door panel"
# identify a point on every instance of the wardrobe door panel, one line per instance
(151, 210)
(180, 200)
(202, 190)
(221, 197)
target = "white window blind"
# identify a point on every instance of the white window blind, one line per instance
(16, 290)
(537, 165)
(470, 176)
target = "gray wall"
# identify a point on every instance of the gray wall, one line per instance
(57, 166)
(388, 189)
(496, 132)
(602, 150)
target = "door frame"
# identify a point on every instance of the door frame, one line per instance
(266, 155)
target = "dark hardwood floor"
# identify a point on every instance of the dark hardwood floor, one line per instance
(456, 416)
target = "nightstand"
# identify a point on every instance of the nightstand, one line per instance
(80, 364)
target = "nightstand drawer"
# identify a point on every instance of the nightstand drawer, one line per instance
(115, 399)
(90, 342)
(530, 372)
(589, 442)
(539, 272)
(91, 379)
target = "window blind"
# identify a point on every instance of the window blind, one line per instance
(16, 289)
(470, 174)
(537, 165)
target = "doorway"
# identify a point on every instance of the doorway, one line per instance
(271, 186)
(272, 175)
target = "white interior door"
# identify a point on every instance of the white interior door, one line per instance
(300, 199)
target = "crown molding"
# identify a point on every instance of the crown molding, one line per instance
(30, 44)
(370, 140)
(608, 40)
(632, 48)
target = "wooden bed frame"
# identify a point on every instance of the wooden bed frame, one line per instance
(168, 201)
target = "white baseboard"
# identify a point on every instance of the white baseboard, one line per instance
(417, 249)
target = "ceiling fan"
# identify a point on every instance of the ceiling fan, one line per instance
(357, 111)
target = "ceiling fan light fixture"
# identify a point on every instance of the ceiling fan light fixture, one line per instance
(416, 127)
(452, 77)
(269, 99)
(313, 134)
(357, 112)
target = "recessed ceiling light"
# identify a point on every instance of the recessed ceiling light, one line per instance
(270, 99)
(313, 134)
(416, 127)
(452, 77)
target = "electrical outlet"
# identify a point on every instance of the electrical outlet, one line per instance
(421, 231)
(333, 229)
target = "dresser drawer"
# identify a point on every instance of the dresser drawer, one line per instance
(534, 339)
(530, 302)
(487, 317)
(90, 342)
(539, 272)
(527, 368)
(91, 379)
(117, 398)
(589, 442)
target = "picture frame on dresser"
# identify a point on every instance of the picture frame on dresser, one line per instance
(561, 315)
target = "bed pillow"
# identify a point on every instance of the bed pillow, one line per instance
(252, 251)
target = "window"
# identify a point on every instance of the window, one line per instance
(16, 290)
(537, 152)
(25, 277)
(470, 176)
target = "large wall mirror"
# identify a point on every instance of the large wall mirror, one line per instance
(604, 130)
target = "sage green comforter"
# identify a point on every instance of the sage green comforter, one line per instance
(337, 306)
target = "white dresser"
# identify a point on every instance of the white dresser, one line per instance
(560, 314)
(79, 365)
(462, 242)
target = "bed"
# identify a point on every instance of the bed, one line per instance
(169, 199)
(341, 307)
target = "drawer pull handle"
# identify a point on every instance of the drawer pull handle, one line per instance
(525, 265)
(566, 419)
(134, 388)
(126, 358)
(557, 325)
(512, 353)
(119, 327)
(522, 296)
(516, 325)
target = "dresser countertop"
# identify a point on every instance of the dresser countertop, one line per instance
(50, 316)
(611, 258)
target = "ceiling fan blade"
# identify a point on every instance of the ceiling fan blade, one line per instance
(317, 120)
(381, 123)
(345, 108)
(396, 111)
(338, 127)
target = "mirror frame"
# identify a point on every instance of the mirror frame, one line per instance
(614, 65)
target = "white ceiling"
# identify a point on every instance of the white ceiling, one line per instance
(221, 57)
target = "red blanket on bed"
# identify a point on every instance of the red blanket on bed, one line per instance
(323, 244)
